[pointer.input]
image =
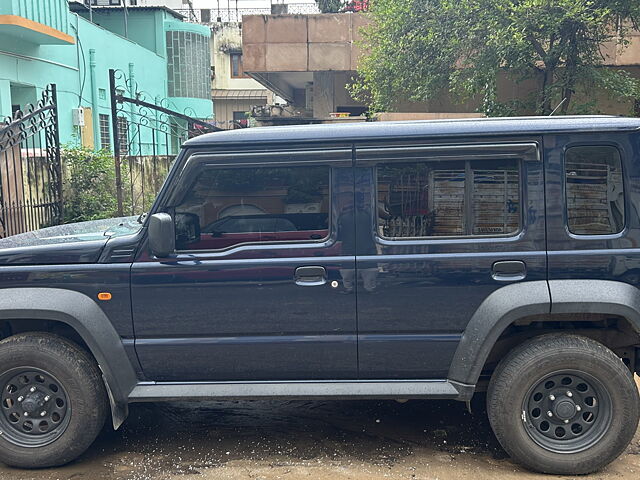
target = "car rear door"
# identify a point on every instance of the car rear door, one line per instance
(442, 226)
(267, 306)
(592, 183)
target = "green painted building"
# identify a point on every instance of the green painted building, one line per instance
(165, 61)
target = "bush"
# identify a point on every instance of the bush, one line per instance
(89, 184)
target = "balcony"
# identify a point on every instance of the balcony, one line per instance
(35, 21)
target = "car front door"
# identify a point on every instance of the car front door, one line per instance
(251, 298)
(439, 229)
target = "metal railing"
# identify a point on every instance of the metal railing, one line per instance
(232, 15)
(147, 135)
(30, 167)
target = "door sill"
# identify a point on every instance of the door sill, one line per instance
(340, 389)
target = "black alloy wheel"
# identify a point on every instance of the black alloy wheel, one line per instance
(567, 411)
(35, 407)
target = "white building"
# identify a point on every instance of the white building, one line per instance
(234, 93)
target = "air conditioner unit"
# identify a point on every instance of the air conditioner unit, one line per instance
(77, 117)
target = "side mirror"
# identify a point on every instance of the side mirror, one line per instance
(162, 235)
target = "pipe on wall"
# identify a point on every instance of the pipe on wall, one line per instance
(97, 141)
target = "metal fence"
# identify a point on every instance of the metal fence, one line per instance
(147, 136)
(30, 167)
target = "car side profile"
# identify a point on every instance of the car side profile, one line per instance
(399, 260)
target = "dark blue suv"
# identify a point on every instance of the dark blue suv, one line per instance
(379, 260)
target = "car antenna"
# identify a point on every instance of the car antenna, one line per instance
(559, 105)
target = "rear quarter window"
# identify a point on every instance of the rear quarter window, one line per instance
(594, 190)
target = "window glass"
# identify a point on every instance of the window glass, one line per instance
(237, 70)
(595, 195)
(231, 206)
(448, 198)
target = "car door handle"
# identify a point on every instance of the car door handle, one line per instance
(509, 271)
(311, 276)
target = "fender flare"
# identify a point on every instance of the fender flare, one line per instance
(596, 296)
(507, 304)
(82, 314)
(493, 316)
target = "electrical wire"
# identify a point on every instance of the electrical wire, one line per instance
(84, 66)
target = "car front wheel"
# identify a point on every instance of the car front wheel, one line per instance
(53, 400)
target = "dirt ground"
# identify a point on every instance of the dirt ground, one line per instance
(320, 440)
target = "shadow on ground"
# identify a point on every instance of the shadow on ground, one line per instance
(176, 440)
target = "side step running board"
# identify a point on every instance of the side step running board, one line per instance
(348, 389)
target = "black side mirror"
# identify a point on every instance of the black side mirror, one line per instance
(162, 235)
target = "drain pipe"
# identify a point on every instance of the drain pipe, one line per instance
(97, 142)
(133, 93)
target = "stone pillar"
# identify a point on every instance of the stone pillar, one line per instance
(323, 94)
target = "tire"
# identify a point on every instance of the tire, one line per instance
(53, 404)
(590, 393)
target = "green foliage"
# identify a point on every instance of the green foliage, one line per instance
(89, 184)
(420, 49)
(330, 6)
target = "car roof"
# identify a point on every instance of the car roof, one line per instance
(422, 128)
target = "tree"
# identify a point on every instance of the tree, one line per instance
(89, 184)
(422, 49)
(330, 6)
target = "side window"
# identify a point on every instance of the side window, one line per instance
(233, 206)
(449, 198)
(594, 189)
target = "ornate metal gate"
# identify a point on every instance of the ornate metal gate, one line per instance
(30, 168)
(147, 135)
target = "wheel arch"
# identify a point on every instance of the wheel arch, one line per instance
(539, 302)
(80, 313)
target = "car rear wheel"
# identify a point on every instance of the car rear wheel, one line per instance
(563, 404)
(53, 402)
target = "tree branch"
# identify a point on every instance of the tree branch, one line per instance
(538, 48)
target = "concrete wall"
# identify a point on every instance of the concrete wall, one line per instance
(144, 27)
(301, 43)
(278, 47)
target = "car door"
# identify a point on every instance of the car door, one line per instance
(256, 303)
(594, 229)
(441, 227)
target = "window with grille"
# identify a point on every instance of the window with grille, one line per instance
(123, 135)
(105, 131)
(594, 190)
(449, 198)
(188, 65)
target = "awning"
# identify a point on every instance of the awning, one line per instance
(248, 94)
